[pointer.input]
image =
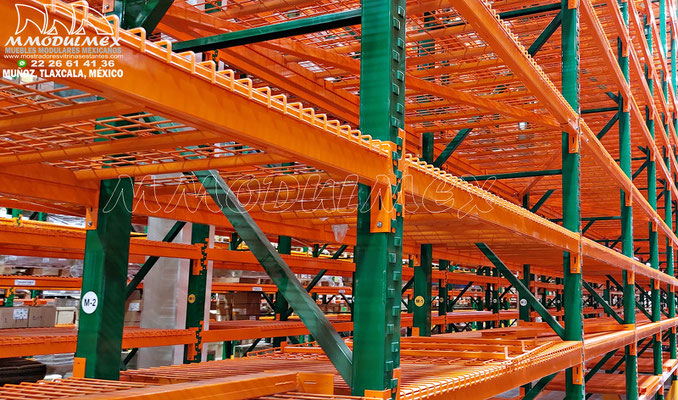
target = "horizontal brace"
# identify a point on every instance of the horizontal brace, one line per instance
(599, 110)
(513, 175)
(270, 32)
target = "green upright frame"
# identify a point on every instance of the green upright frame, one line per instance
(628, 300)
(653, 234)
(378, 255)
(572, 281)
(423, 291)
(197, 290)
(281, 310)
(105, 275)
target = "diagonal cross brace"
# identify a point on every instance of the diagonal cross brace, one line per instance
(602, 302)
(150, 262)
(538, 387)
(281, 274)
(522, 289)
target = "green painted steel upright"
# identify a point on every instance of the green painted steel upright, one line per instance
(628, 300)
(281, 304)
(423, 272)
(197, 289)
(443, 265)
(104, 280)
(523, 306)
(572, 281)
(378, 257)
(422, 291)
(653, 234)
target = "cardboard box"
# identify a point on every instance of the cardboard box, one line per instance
(13, 317)
(65, 315)
(133, 313)
(41, 317)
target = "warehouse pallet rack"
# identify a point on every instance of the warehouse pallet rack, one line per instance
(467, 102)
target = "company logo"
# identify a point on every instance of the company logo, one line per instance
(63, 30)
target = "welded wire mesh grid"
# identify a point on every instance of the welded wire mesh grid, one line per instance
(28, 93)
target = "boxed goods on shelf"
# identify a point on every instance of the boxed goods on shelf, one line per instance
(13, 317)
(65, 315)
(41, 317)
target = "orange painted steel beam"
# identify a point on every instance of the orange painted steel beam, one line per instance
(59, 115)
(37, 341)
(40, 282)
(497, 35)
(600, 39)
(232, 387)
(236, 161)
(96, 149)
(70, 241)
(602, 383)
(64, 388)
(46, 182)
(220, 333)
(656, 79)
(179, 210)
(221, 287)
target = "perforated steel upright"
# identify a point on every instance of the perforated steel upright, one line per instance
(104, 279)
(629, 303)
(572, 278)
(378, 256)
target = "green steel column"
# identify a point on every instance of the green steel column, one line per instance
(378, 257)
(523, 306)
(197, 289)
(281, 304)
(559, 296)
(422, 291)
(488, 297)
(443, 265)
(653, 234)
(427, 147)
(104, 280)
(670, 297)
(234, 242)
(628, 300)
(423, 272)
(662, 26)
(495, 298)
(572, 281)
